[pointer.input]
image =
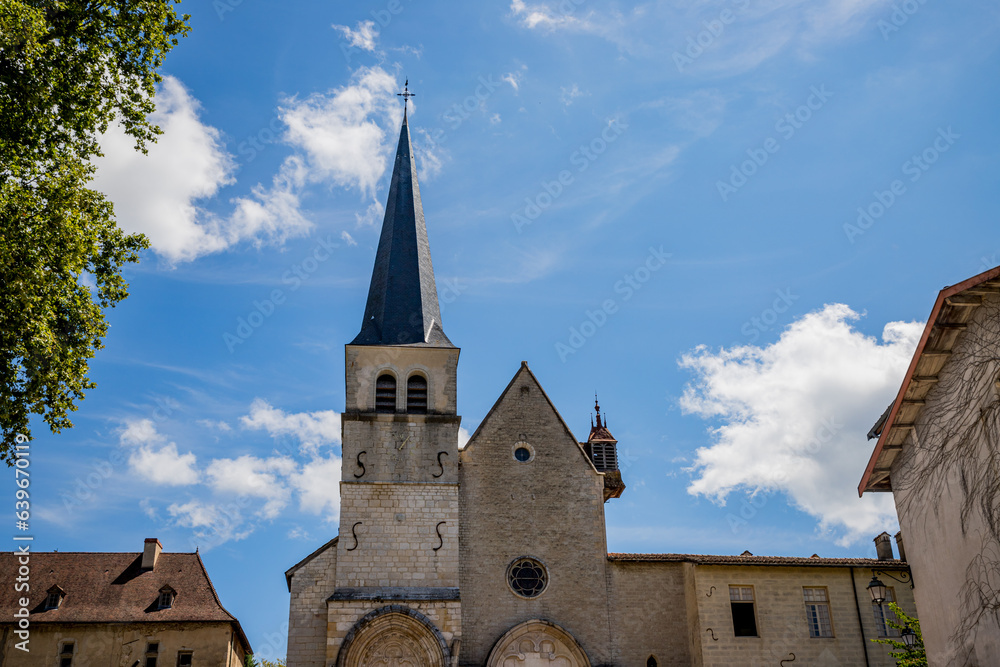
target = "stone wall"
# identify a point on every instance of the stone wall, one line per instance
(649, 615)
(782, 624)
(397, 527)
(311, 585)
(549, 508)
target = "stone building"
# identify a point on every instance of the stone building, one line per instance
(938, 452)
(495, 554)
(147, 609)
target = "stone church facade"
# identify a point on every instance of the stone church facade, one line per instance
(495, 554)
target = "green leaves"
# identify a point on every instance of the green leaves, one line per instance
(68, 69)
(905, 656)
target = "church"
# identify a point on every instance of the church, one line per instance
(496, 554)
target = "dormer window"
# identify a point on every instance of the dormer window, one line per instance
(54, 598)
(385, 394)
(167, 595)
(416, 395)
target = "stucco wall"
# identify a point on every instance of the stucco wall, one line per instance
(944, 476)
(112, 645)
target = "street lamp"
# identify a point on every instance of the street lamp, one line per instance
(909, 637)
(877, 590)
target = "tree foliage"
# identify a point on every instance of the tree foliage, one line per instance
(905, 656)
(68, 70)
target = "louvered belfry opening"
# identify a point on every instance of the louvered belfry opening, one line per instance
(416, 395)
(385, 393)
(605, 456)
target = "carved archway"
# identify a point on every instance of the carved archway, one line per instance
(537, 643)
(394, 636)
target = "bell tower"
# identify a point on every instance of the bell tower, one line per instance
(397, 551)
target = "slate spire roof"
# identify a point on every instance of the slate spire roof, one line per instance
(402, 306)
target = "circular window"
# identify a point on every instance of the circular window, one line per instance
(527, 577)
(523, 452)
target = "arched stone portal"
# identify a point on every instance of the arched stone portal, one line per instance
(393, 636)
(537, 644)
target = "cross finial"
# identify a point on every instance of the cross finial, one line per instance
(406, 94)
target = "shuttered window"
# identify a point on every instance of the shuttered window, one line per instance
(385, 393)
(416, 395)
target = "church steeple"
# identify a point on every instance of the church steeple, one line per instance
(402, 306)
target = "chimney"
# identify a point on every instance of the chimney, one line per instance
(899, 546)
(883, 546)
(151, 551)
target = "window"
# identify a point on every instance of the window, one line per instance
(527, 577)
(184, 658)
(385, 393)
(818, 611)
(522, 454)
(650, 661)
(166, 600)
(53, 600)
(883, 615)
(66, 654)
(744, 618)
(416, 395)
(152, 653)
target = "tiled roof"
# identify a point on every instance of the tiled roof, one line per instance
(815, 561)
(113, 588)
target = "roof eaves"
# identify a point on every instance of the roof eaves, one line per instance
(866, 480)
(293, 569)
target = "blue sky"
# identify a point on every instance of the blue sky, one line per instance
(728, 218)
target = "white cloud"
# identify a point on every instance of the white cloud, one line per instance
(216, 425)
(318, 487)
(495, 119)
(231, 496)
(757, 31)
(793, 416)
(362, 37)
(164, 465)
(312, 429)
(347, 238)
(213, 524)
(159, 465)
(253, 477)
(341, 132)
(463, 437)
(158, 194)
(139, 432)
(545, 17)
(514, 78)
(570, 94)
